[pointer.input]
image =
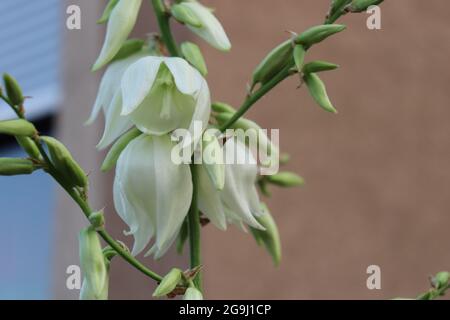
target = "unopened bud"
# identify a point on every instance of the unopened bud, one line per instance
(273, 63)
(13, 90)
(130, 47)
(338, 8)
(63, 161)
(221, 107)
(319, 66)
(14, 166)
(29, 146)
(299, 56)
(97, 220)
(107, 12)
(441, 280)
(168, 283)
(185, 15)
(194, 56)
(193, 294)
(269, 237)
(17, 127)
(286, 179)
(363, 5)
(318, 34)
(318, 91)
(117, 148)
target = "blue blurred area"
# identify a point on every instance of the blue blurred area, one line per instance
(26, 224)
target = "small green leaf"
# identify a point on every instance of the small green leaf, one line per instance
(318, 92)
(319, 66)
(107, 12)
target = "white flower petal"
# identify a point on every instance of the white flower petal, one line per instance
(152, 194)
(137, 82)
(187, 78)
(211, 30)
(115, 123)
(209, 199)
(120, 24)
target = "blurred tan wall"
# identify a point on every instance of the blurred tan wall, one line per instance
(377, 173)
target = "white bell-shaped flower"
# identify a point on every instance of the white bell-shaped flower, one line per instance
(151, 193)
(120, 24)
(238, 202)
(163, 94)
(109, 100)
(210, 30)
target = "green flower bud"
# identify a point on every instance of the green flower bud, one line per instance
(286, 179)
(441, 280)
(64, 162)
(17, 127)
(222, 107)
(270, 237)
(273, 63)
(319, 66)
(185, 15)
(318, 91)
(318, 34)
(299, 56)
(93, 265)
(29, 146)
(338, 8)
(168, 283)
(212, 154)
(192, 294)
(13, 166)
(107, 12)
(129, 47)
(117, 148)
(97, 220)
(194, 56)
(363, 5)
(13, 90)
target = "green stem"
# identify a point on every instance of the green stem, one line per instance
(195, 229)
(164, 25)
(253, 98)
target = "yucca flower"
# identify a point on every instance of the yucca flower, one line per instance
(162, 94)
(109, 100)
(151, 193)
(210, 28)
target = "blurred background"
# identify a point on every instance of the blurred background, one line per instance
(377, 177)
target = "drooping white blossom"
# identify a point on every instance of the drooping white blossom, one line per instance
(109, 100)
(151, 193)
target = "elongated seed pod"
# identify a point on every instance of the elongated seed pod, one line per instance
(29, 146)
(319, 66)
(107, 12)
(273, 63)
(129, 47)
(65, 163)
(318, 92)
(193, 55)
(13, 90)
(117, 148)
(17, 127)
(318, 34)
(184, 14)
(15, 166)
